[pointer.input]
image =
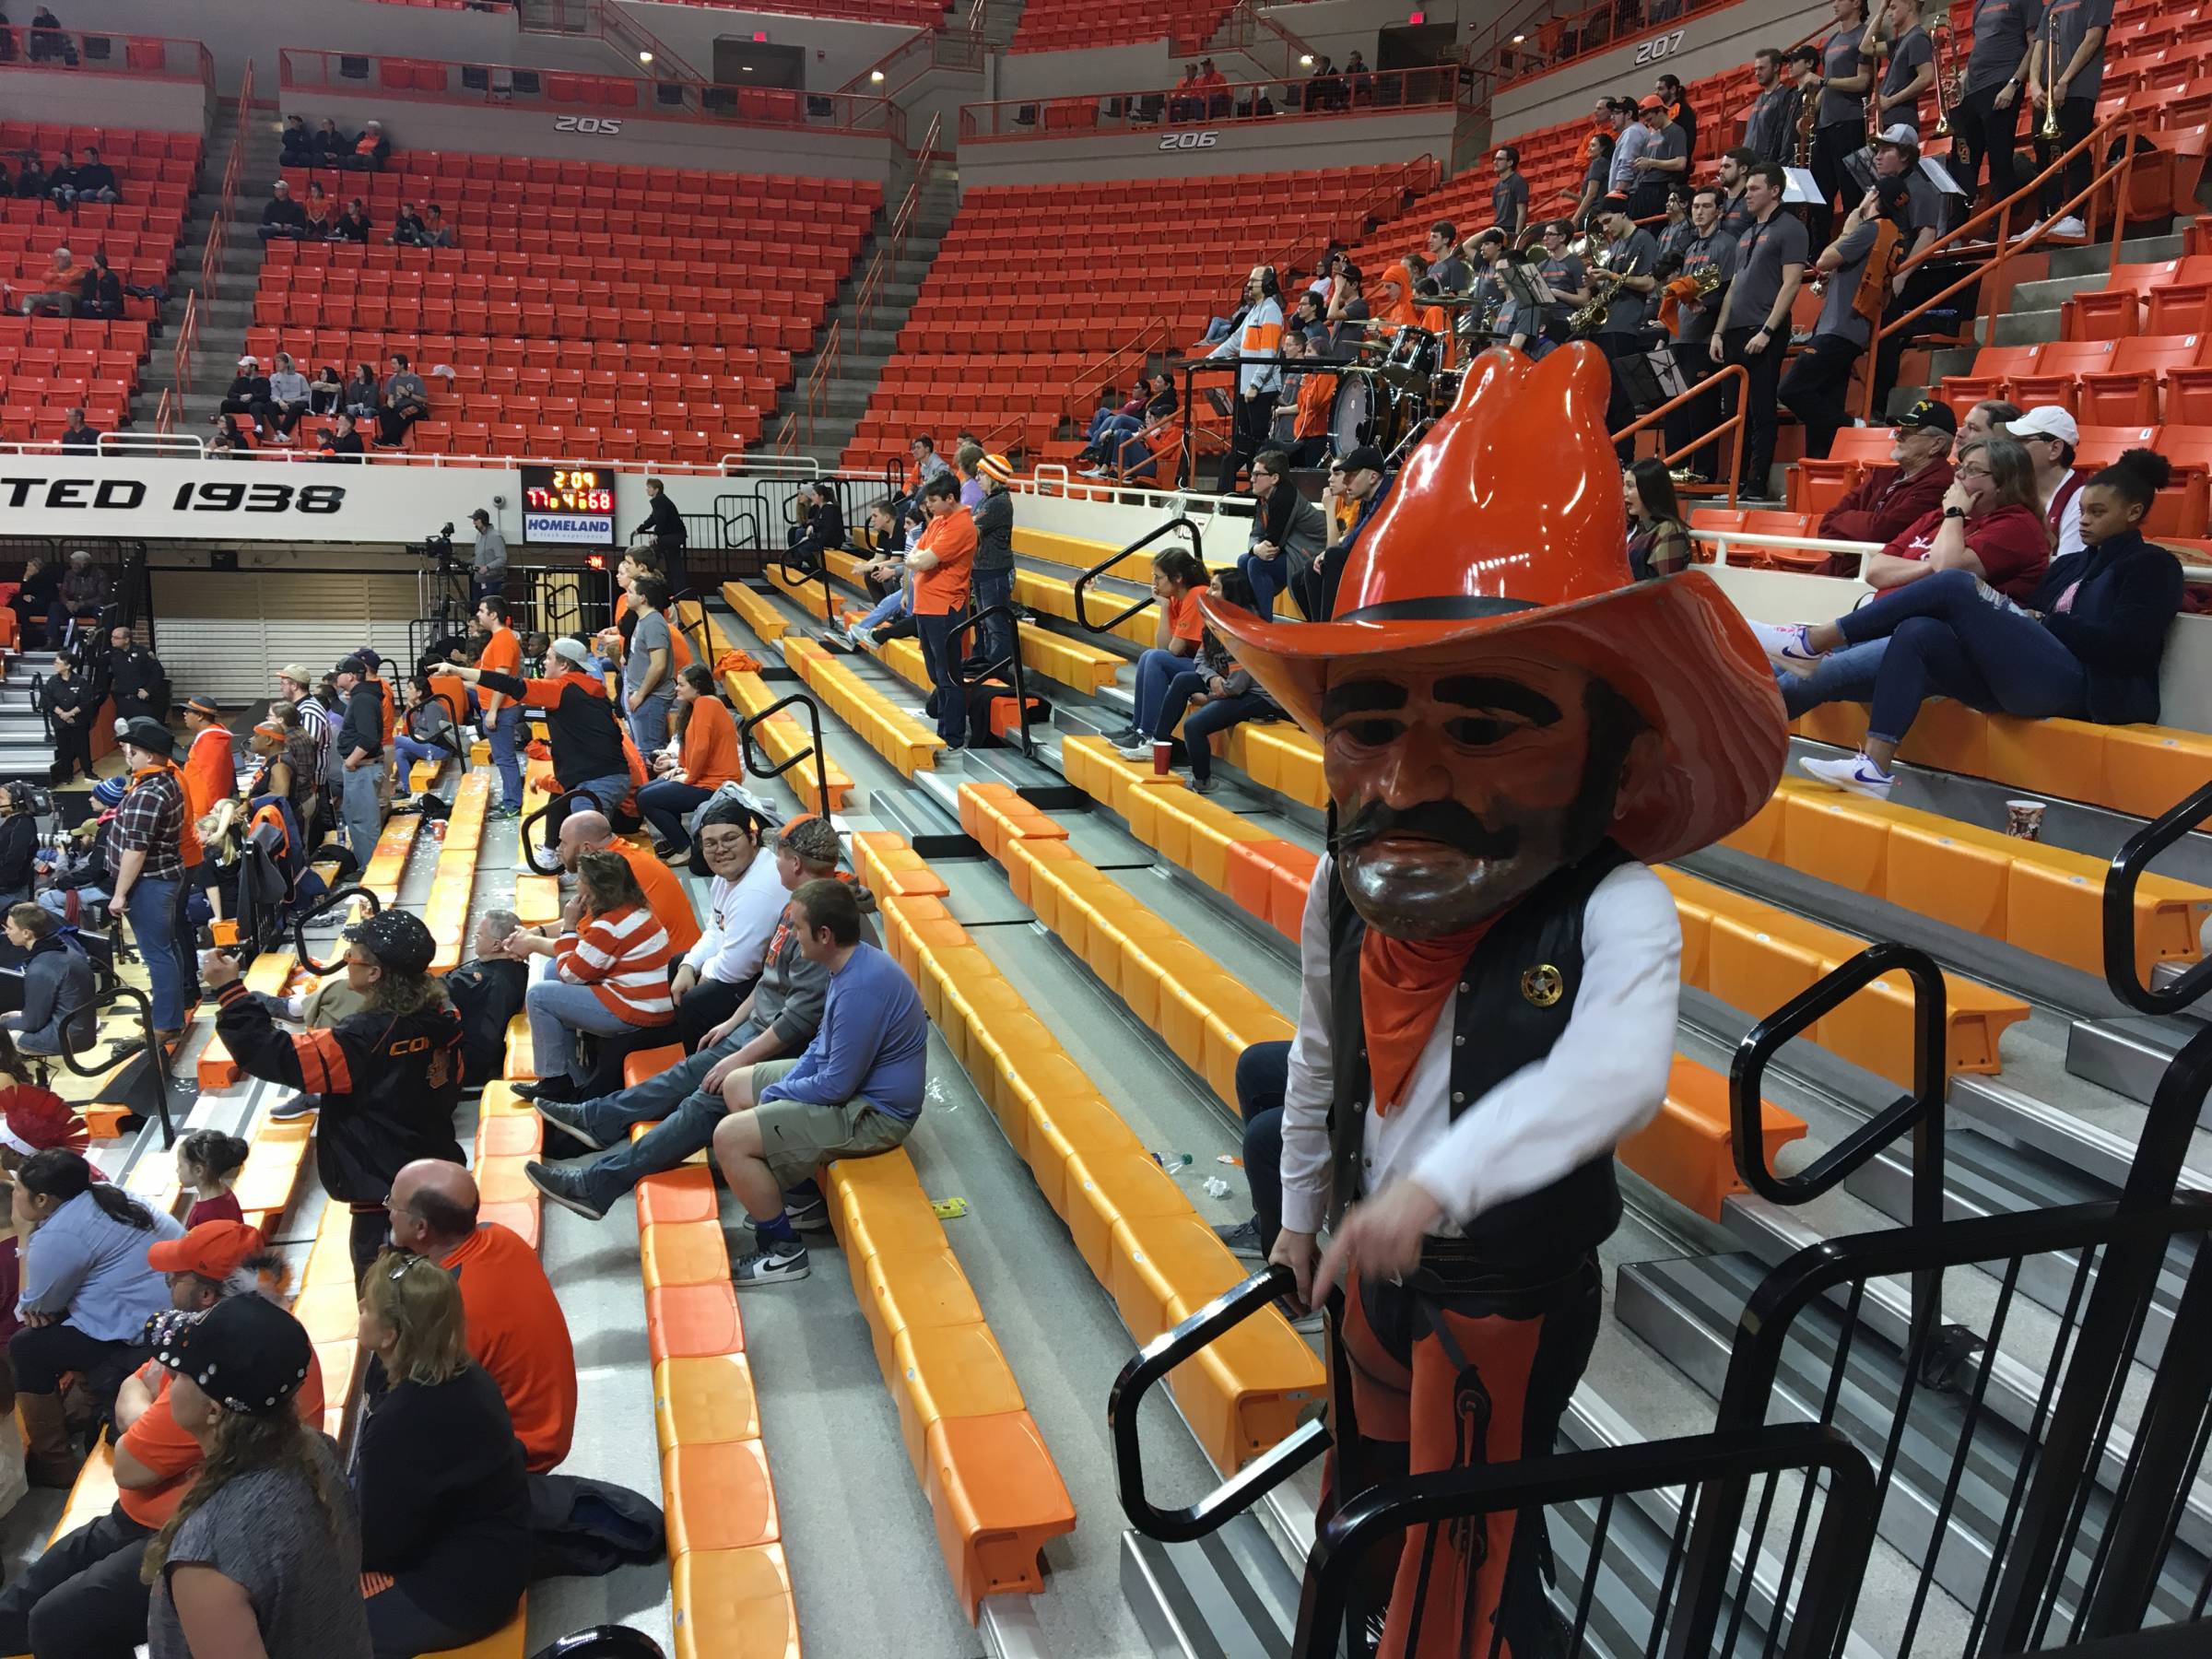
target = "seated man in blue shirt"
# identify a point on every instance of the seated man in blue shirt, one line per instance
(855, 1092)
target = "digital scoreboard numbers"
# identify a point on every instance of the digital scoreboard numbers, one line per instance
(573, 504)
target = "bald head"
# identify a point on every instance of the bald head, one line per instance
(583, 832)
(433, 1207)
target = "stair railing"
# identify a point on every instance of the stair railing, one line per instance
(1084, 581)
(756, 761)
(813, 393)
(893, 247)
(111, 991)
(1008, 666)
(2129, 866)
(234, 170)
(1995, 223)
(322, 907)
(1731, 427)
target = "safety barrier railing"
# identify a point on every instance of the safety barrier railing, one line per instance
(234, 169)
(797, 427)
(1994, 225)
(86, 51)
(755, 762)
(1259, 37)
(2129, 866)
(1152, 108)
(188, 339)
(1731, 425)
(1182, 523)
(971, 674)
(891, 247)
(330, 901)
(600, 98)
(962, 50)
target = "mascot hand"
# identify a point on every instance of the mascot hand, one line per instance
(1295, 1251)
(1380, 1236)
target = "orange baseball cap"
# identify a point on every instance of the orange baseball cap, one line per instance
(213, 1250)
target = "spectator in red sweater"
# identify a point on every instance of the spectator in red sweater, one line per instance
(1889, 499)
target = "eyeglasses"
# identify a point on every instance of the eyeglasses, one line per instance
(1971, 471)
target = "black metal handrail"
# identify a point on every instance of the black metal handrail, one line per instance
(1190, 369)
(1830, 1583)
(703, 641)
(38, 702)
(1082, 581)
(114, 991)
(1009, 665)
(814, 747)
(1155, 1361)
(329, 901)
(2129, 865)
(799, 575)
(1919, 1114)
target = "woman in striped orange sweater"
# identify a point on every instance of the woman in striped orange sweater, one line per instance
(609, 977)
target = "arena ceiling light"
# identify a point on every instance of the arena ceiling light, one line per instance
(644, 58)
(876, 75)
(1305, 60)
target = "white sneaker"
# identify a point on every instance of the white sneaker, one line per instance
(1784, 644)
(2023, 234)
(1857, 775)
(2070, 226)
(1136, 751)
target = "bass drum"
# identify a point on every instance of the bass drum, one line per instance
(1352, 414)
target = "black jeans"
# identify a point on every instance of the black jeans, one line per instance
(1625, 353)
(1759, 406)
(1262, 1075)
(943, 663)
(1831, 145)
(393, 424)
(81, 1598)
(710, 1003)
(41, 1353)
(1253, 419)
(1696, 416)
(1982, 132)
(1816, 388)
(2077, 116)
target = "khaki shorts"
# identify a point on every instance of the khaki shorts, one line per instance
(798, 1137)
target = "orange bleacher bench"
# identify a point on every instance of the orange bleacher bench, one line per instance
(992, 1485)
(897, 736)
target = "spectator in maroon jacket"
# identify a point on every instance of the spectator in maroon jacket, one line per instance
(1889, 499)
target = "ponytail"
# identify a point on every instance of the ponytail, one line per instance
(63, 1175)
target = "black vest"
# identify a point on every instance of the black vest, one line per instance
(1507, 1014)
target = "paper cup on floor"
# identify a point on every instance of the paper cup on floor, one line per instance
(2024, 818)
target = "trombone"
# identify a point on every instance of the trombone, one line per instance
(2047, 130)
(1950, 84)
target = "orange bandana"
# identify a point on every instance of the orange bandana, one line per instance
(1404, 986)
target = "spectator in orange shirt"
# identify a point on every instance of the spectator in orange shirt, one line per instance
(501, 716)
(60, 286)
(583, 832)
(210, 769)
(516, 1330)
(83, 1593)
(942, 559)
(1178, 578)
(701, 760)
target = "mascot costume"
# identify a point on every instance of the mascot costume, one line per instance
(1512, 732)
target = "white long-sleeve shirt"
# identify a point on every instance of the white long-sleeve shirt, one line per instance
(1604, 1079)
(1260, 336)
(741, 919)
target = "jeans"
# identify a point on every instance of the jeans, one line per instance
(1815, 386)
(996, 643)
(1948, 633)
(558, 1011)
(412, 749)
(1845, 676)
(1262, 1075)
(687, 1119)
(1216, 715)
(81, 1597)
(890, 608)
(665, 803)
(1156, 672)
(504, 729)
(1269, 577)
(944, 673)
(608, 792)
(362, 811)
(649, 723)
(152, 906)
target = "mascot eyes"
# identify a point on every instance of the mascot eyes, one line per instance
(1479, 730)
(1373, 732)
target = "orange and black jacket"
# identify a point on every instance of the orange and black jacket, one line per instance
(388, 1085)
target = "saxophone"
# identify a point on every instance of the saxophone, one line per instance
(1604, 284)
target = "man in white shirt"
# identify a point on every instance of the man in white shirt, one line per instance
(743, 908)
(1490, 969)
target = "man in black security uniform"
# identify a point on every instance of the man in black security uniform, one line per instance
(1630, 255)
(388, 1076)
(72, 704)
(663, 529)
(1754, 326)
(136, 678)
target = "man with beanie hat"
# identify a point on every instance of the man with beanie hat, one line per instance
(388, 1077)
(779, 1017)
(744, 907)
(83, 1593)
(150, 845)
(994, 567)
(361, 759)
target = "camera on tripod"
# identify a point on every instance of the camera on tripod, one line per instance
(438, 546)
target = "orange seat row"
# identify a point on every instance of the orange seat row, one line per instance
(1133, 1226)
(454, 883)
(892, 732)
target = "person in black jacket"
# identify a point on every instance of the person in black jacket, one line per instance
(249, 390)
(282, 217)
(486, 992)
(822, 528)
(71, 707)
(330, 144)
(92, 180)
(2085, 646)
(19, 846)
(361, 759)
(343, 443)
(663, 529)
(136, 678)
(102, 294)
(437, 1470)
(581, 728)
(388, 1077)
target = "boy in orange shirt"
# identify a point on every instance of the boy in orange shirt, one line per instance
(502, 717)
(941, 559)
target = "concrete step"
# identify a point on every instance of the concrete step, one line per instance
(2025, 328)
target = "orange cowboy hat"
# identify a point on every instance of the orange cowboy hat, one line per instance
(1504, 534)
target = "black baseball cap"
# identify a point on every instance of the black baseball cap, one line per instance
(1928, 416)
(1366, 458)
(397, 938)
(246, 1353)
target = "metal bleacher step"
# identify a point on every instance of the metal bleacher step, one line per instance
(2129, 1054)
(1687, 1309)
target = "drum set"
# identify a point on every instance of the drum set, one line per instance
(1399, 385)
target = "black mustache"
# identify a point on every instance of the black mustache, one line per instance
(1445, 822)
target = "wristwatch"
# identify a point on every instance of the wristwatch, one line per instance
(1954, 512)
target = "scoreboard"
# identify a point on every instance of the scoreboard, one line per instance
(571, 504)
